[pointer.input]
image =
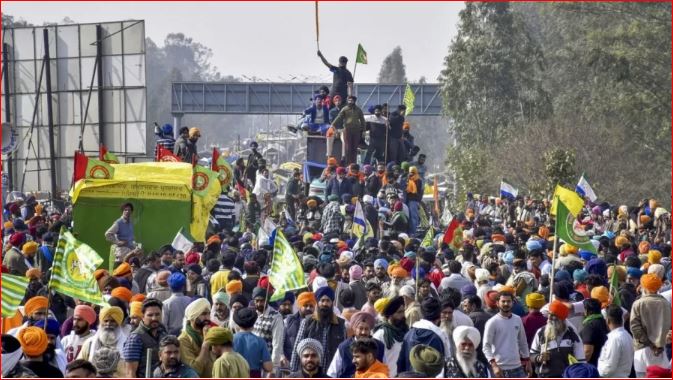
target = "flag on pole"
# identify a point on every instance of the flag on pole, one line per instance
(565, 227)
(266, 233)
(222, 167)
(72, 272)
(361, 55)
(90, 168)
(423, 216)
(507, 190)
(427, 240)
(13, 291)
(286, 273)
(584, 189)
(202, 180)
(359, 221)
(165, 155)
(570, 198)
(106, 156)
(183, 241)
(614, 287)
(450, 231)
(409, 100)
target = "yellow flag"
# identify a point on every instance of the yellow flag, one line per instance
(569, 198)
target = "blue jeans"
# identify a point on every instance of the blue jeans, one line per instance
(512, 373)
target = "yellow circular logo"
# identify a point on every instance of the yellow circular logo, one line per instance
(74, 267)
(199, 181)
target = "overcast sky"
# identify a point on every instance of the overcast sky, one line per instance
(277, 41)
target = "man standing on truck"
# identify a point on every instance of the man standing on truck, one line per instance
(354, 123)
(342, 76)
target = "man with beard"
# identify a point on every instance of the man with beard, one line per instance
(391, 332)
(35, 310)
(323, 326)
(286, 304)
(505, 345)
(374, 292)
(194, 350)
(446, 319)
(84, 316)
(306, 303)
(466, 363)
(554, 343)
(110, 336)
(34, 343)
(220, 311)
(229, 364)
(381, 271)
(169, 360)
(412, 309)
(361, 324)
(399, 278)
(146, 336)
(364, 357)
(310, 353)
(135, 314)
(269, 325)
(54, 354)
(425, 331)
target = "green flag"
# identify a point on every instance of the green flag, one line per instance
(286, 272)
(361, 56)
(72, 273)
(427, 240)
(614, 287)
(202, 180)
(409, 100)
(564, 227)
(13, 291)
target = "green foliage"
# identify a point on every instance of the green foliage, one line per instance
(522, 79)
(393, 69)
(559, 167)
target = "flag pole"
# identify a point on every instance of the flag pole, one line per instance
(355, 68)
(553, 263)
(317, 26)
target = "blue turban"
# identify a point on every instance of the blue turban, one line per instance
(562, 289)
(580, 275)
(634, 272)
(468, 290)
(381, 263)
(325, 258)
(533, 244)
(324, 291)
(597, 266)
(508, 257)
(421, 271)
(177, 281)
(586, 255)
(581, 371)
(562, 275)
(609, 234)
(289, 296)
(53, 327)
(410, 255)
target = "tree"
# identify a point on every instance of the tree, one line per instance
(393, 70)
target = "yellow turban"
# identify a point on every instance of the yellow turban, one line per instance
(653, 256)
(570, 249)
(33, 341)
(29, 247)
(136, 309)
(381, 304)
(34, 304)
(234, 286)
(644, 247)
(602, 294)
(112, 311)
(621, 272)
(219, 335)
(535, 300)
(621, 241)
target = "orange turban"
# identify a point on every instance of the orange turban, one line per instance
(100, 273)
(122, 270)
(33, 341)
(644, 247)
(497, 238)
(644, 219)
(213, 239)
(331, 161)
(306, 298)
(621, 241)
(400, 272)
(654, 257)
(508, 289)
(543, 231)
(651, 282)
(559, 309)
(35, 303)
(602, 294)
(33, 273)
(138, 297)
(122, 293)
(234, 286)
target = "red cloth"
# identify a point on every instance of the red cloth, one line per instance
(531, 323)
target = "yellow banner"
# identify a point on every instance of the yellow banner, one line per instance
(139, 190)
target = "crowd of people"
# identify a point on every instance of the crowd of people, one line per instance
(497, 301)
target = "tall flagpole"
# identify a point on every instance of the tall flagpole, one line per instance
(553, 263)
(317, 26)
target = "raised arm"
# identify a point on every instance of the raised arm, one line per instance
(322, 58)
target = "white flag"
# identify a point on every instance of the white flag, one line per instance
(183, 241)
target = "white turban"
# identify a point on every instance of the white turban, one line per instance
(319, 282)
(462, 332)
(480, 275)
(408, 291)
(657, 269)
(196, 308)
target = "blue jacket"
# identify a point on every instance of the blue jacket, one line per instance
(333, 187)
(414, 337)
(311, 112)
